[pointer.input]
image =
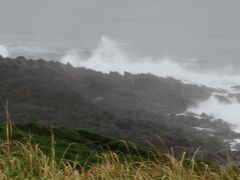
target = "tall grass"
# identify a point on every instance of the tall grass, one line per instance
(8, 127)
(25, 160)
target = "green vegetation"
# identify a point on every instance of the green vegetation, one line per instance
(30, 151)
(80, 145)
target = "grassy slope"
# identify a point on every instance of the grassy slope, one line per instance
(81, 144)
(105, 157)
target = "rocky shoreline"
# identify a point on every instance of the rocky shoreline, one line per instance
(141, 108)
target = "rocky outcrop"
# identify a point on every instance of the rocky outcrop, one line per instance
(138, 107)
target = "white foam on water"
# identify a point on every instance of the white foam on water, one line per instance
(227, 111)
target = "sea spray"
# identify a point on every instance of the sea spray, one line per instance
(4, 51)
(110, 56)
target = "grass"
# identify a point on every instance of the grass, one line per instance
(29, 151)
(84, 145)
(25, 160)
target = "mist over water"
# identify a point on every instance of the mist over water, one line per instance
(205, 30)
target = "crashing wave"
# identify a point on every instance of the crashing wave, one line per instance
(111, 56)
(4, 52)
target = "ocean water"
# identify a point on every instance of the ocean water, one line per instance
(194, 41)
(206, 32)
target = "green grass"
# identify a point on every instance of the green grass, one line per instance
(30, 151)
(81, 144)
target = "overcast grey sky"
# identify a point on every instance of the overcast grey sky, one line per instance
(204, 29)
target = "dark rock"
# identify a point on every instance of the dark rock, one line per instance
(132, 107)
